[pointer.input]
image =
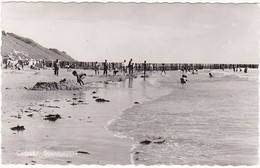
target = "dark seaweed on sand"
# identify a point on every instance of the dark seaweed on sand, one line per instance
(101, 100)
(30, 115)
(18, 128)
(52, 117)
(83, 152)
(53, 106)
(73, 104)
(159, 142)
(145, 142)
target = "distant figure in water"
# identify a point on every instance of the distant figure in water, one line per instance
(210, 75)
(56, 67)
(245, 70)
(240, 69)
(163, 69)
(183, 79)
(79, 77)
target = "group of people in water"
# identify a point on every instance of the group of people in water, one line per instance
(130, 67)
(235, 69)
(184, 79)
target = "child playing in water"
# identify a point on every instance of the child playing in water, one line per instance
(79, 77)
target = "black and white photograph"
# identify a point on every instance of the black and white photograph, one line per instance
(119, 83)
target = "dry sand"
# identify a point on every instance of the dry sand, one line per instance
(80, 128)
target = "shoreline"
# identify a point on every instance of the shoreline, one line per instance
(153, 85)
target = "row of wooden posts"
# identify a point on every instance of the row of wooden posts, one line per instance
(156, 66)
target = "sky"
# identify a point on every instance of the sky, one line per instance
(163, 33)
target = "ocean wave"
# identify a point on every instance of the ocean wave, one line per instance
(194, 120)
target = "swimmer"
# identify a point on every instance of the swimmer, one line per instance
(79, 77)
(210, 75)
(245, 70)
(183, 80)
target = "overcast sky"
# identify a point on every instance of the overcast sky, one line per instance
(193, 33)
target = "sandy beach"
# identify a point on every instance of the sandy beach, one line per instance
(81, 127)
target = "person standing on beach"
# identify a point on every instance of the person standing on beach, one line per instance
(56, 67)
(133, 67)
(163, 69)
(145, 68)
(151, 68)
(124, 67)
(96, 68)
(130, 66)
(105, 68)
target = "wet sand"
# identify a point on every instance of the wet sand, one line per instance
(79, 136)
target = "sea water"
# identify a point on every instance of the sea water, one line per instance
(207, 121)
